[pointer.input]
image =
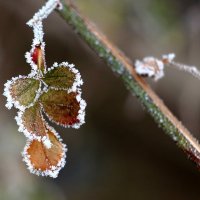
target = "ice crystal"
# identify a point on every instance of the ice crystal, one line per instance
(150, 67)
(54, 92)
(168, 57)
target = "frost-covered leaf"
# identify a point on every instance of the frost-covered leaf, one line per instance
(44, 160)
(21, 92)
(64, 76)
(31, 122)
(55, 92)
(61, 107)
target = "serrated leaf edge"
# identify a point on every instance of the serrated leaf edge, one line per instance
(54, 171)
(22, 128)
(11, 101)
(77, 81)
(81, 112)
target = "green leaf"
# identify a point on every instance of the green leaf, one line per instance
(23, 91)
(61, 107)
(60, 77)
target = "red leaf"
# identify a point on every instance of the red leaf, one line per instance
(61, 107)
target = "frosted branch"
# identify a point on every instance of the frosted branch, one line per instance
(120, 64)
(190, 69)
(37, 25)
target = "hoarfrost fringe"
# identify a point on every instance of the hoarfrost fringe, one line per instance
(12, 101)
(81, 112)
(77, 82)
(54, 170)
(29, 134)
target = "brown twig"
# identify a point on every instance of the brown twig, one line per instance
(121, 65)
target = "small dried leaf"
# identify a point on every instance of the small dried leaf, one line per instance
(60, 77)
(32, 122)
(38, 57)
(42, 160)
(22, 91)
(61, 107)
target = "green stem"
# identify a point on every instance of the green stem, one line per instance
(121, 65)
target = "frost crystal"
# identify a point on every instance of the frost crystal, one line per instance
(168, 57)
(46, 142)
(150, 67)
(81, 113)
(12, 99)
(44, 152)
(44, 12)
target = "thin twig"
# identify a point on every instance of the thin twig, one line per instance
(121, 65)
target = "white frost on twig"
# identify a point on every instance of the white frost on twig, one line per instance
(44, 12)
(168, 57)
(36, 24)
(189, 69)
(150, 67)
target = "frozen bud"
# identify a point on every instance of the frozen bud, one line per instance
(150, 67)
(37, 57)
(35, 54)
(168, 58)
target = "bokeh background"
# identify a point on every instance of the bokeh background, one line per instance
(119, 153)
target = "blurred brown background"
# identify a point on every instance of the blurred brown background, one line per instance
(119, 153)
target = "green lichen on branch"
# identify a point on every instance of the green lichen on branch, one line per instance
(160, 118)
(121, 65)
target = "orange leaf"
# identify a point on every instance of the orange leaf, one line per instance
(45, 160)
